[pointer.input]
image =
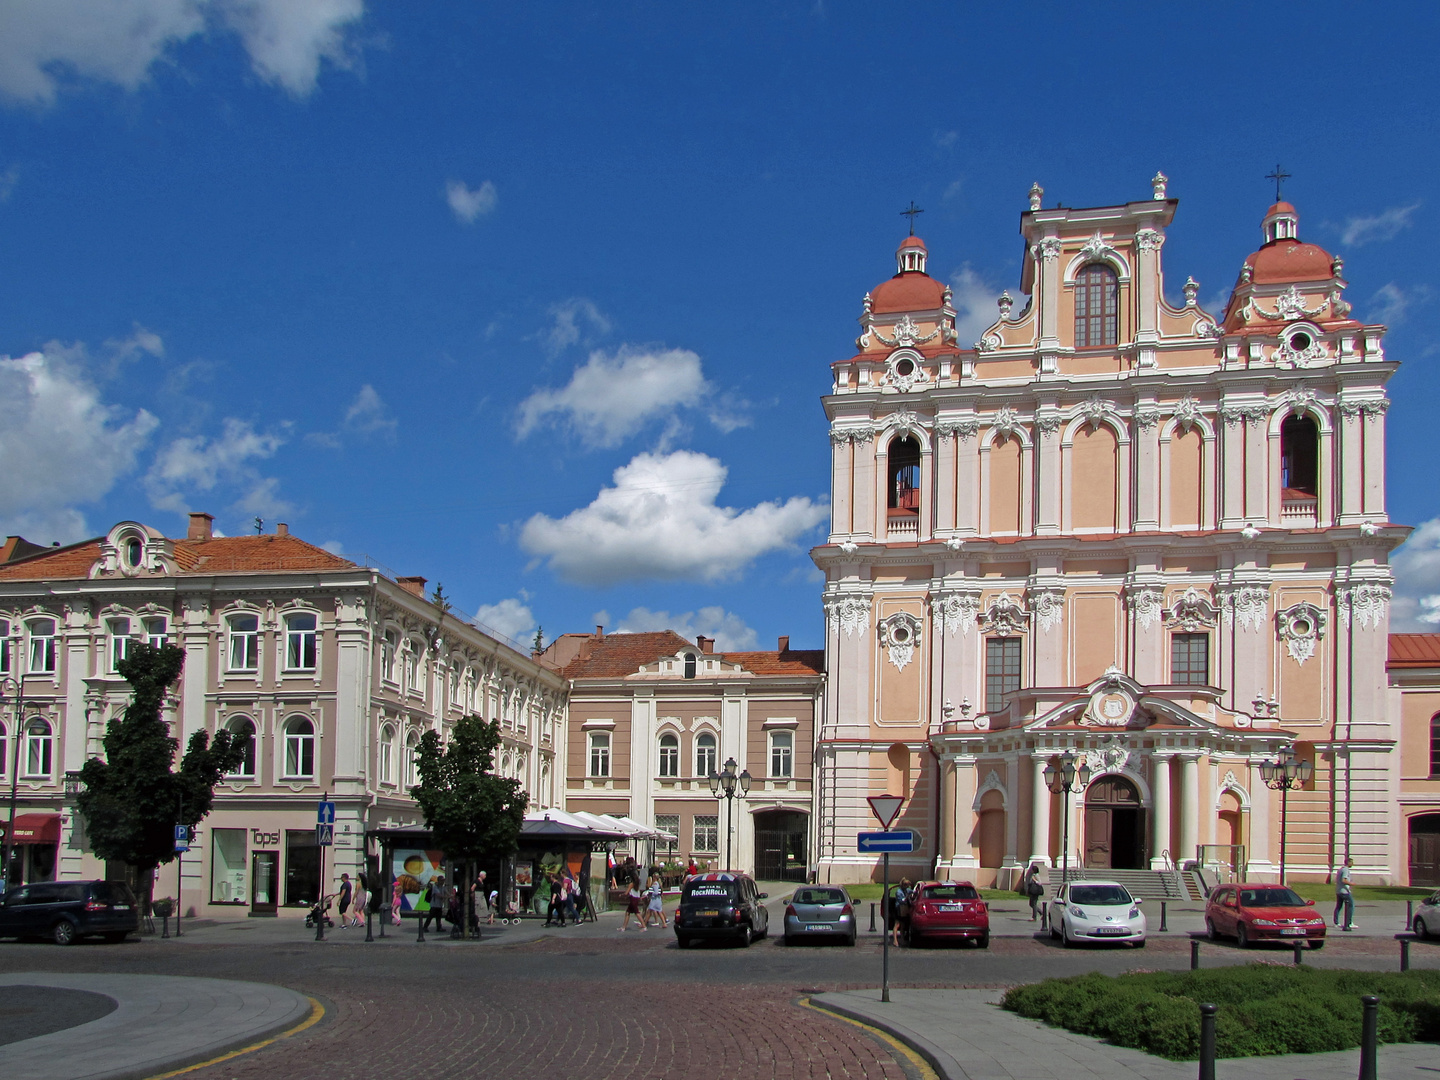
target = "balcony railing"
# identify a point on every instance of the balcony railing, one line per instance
(904, 527)
(1297, 510)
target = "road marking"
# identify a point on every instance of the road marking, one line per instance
(923, 1068)
(316, 1012)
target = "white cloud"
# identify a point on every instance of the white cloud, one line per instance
(945, 139)
(729, 630)
(59, 445)
(510, 618)
(660, 521)
(975, 310)
(335, 547)
(8, 179)
(1390, 302)
(47, 43)
(612, 397)
(369, 415)
(1417, 580)
(196, 464)
(467, 204)
(1385, 225)
(565, 328)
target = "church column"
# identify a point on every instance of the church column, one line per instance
(1145, 465)
(1048, 464)
(1039, 814)
(881, 488)
(1012, 810)
(962, 819)
(862, 514)
(1232, 469)
(842, 466)
(1259, 865)
(1159, 810)
(927, 492)
(944, 481)
(1189, 807)
(967, 478)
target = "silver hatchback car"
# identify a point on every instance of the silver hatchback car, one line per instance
(821, 912)
(1427, 917)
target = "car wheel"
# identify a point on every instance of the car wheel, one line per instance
(850, 942)
(682, 942)
(983, 941)
(1210, 931)
(747, 935)
(1318, 943)
(1242, 936)
(1139, 944)
(63, 932)
(1419, 929)
(1054, 933)
(1065, 937)
(115, 937)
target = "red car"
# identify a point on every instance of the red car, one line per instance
(1251, 913)
(949, 909)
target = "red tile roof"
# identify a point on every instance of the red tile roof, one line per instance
(789, 662)
(221, 555)
(1414, 650)
(616, 655)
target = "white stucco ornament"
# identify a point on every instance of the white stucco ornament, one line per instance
(900, 634)
(1301, 627)
(1366, 603)
(957, 611)
(1004, 617)
(1048, 606)
(1192, 612)
(1111, 756)
(849, 613)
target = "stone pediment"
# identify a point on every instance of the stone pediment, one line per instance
(1116, 702)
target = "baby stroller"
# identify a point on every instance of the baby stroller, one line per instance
(321, 909)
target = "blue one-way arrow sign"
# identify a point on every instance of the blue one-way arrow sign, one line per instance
(325, 813)
(897, 840)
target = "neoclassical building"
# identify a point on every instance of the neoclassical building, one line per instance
(330, 669)
(1122, 526)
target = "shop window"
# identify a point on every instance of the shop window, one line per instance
(4, 647)
(600, 755)
(1002, 671)
(299, 748)
(707, 833)
(242, 728)
(782, 749)
(39, 748)
(669, 756)
(227, 867)
(1299, 455)
(302, 868)
(667, 823)
(300, 642)
(387, 753)
(42, 647)
(1097, 306)
(704, 754)
(1190, 659)
(412, 760)
(155, 632)
(244, 651)
(118, 632)
(903, 490)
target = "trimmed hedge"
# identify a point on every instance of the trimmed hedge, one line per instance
(1264, 1008)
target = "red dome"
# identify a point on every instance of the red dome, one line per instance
(910, 291)
(912, 242)
(1280, 208)
(1289, 260)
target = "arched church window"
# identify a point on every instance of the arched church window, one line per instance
(1299, 455)
(904, 487)
(1097, 306)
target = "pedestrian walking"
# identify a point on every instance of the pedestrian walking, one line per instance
(656, 909)
(632, 907)
(494, 902)
(435, 899)
(554, 909)
(1344, 899)
(343, 899)
(397, 901)
(362, 896)
(1033, 888)
(900, 901)
(572, 895)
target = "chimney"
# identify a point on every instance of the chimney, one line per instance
(707, 644)
(282, 529)
(784, 642)
(200, 527)
(599, 631)
(415, 586)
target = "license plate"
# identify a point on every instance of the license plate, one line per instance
(818, 926)
(1292, 931)
(1110, 930)
(951, 907)
(709, 914)
(121, 907)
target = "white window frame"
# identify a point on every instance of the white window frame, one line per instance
(669, 756)
(783, 755)
(117, 641)
(297, 743)
(42, 648)
(4, 749)
(39, 743)
(597, 755)
(149, 624)
(386, 763)
(714, 829)
(4, 646)
(249, 640)
(246, 770)
(412, 760)
(389, 655)
(714, 754)
(295, 642)
(414, 678)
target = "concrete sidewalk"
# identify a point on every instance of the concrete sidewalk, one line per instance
(965, 1035)
(160, 1023)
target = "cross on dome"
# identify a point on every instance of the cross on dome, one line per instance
(1279, 176)
(910, 212)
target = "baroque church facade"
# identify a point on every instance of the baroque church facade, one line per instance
(1142, 533)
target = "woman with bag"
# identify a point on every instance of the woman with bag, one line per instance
(900, 901)
(1033, 888)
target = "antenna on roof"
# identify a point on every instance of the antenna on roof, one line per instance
(259, 525)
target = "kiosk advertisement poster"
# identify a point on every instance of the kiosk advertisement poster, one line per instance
(414, 868)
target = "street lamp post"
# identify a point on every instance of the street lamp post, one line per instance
(11, 686)
(1282, 775)
(1068, 779)
(723, 785)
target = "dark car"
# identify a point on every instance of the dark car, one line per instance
(949, 909)
(720, 906)
(1251, 913)
(66, 911)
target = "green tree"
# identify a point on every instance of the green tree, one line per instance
(473, 814)
(131, 800)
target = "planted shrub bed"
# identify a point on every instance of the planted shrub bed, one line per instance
(1264, 1008)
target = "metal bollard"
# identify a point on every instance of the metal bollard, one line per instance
(1207, 1043)
(1369, 1036)
(872, 918)
(1194, 955)
(1409, 914)
(1163, 927)
(1299, 951)
(1404, 954)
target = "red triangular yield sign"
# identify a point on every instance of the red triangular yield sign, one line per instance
(886, 807)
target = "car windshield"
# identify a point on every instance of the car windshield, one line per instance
(1270, 898)
(699, 891)
(950, 892)
(1099, 895)
(819, 896)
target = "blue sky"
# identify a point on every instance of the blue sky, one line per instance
(475, 288)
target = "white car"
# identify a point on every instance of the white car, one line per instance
(1096, 911)
(1427, 917)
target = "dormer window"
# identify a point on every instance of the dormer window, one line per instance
(134, 553)
(690, 662)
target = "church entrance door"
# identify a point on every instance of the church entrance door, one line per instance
(1114, 825)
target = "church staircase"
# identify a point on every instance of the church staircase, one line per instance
(1177, 886)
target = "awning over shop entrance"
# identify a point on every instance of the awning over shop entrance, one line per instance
(35, 828)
